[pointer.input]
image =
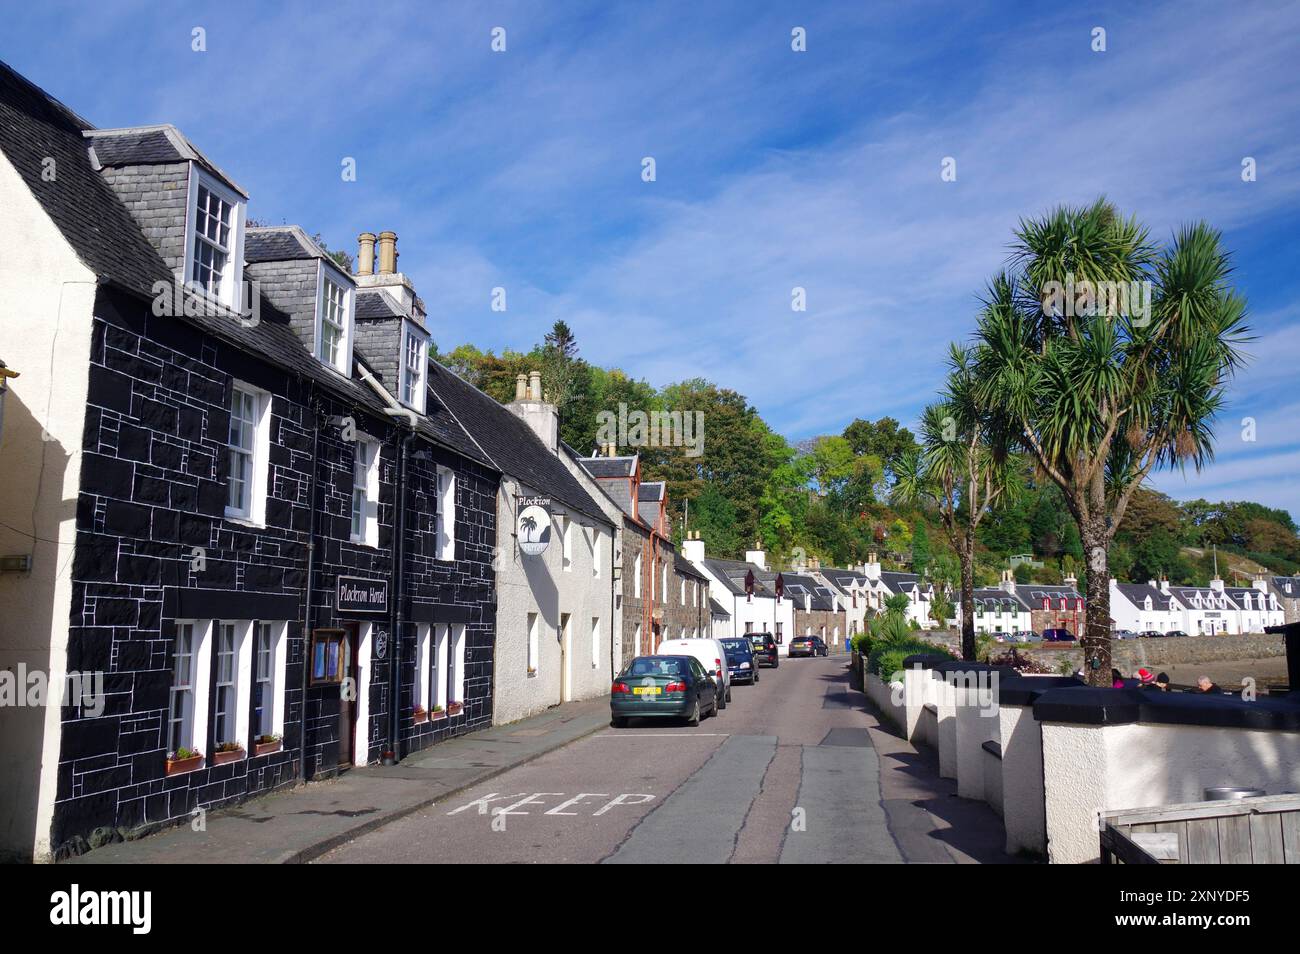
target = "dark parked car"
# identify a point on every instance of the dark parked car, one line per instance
(1175, 632)
(664, 687)
(807, 646)
(740, 659)
(1150, 633)
(765, 651)
(1058, 636)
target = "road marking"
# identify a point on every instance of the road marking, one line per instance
(522, 799)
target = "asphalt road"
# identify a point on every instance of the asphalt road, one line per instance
(786, 773)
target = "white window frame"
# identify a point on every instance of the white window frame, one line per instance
(534, 642)
(194, 715)
(636, 641)
(457, 657)
(636, 578)
(239, 682)
(445, 518)
(683, 582)
(596, 537)
(368, 534)
(595, 642)
(327, 275)
(270, 682)
(415, 400)
(423, 680)
(259, 454)
(230, 291)
(437, 678)
(566, 543)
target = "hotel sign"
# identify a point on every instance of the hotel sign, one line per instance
(533, 527)
(357, 595)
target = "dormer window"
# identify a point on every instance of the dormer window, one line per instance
(415, 356)
(335, 314)
(214, 252)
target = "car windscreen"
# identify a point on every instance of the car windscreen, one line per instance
(658, 666)
(737, 647)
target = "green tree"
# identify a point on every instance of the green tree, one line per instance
(920, 549)
(964, 468)
(1103, 394)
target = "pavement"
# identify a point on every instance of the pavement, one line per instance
(302, 823)
(795, 770)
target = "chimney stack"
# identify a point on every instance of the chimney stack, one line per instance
(366, 253)
(693, 547)
(387, 253)
(521, 386)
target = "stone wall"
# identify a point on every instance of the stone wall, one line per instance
(1129, 654)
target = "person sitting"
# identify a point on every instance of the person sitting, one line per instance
(1206, 685)
(1162, 681)
(1146, 679)
(1116, 679)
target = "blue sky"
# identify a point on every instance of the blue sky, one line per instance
(775, 169)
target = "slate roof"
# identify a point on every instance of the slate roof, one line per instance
(373, 303)
(510, 443)
(820, 599)
(1185, 594)
(903, 582)
(150, 146)
(1137, 593)
(281, 243)
(108, 241)
(601, 467)
(651, 490)
(686, 567)
(998, 600)
(732, 574)
(1239, 595)
(717, 610)
(1288, 586)
(1034, 592)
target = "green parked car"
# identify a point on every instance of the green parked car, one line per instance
(662, 687)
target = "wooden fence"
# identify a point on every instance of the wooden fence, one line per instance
(1261, 831)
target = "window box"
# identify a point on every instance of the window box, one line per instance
(179, 766)
(454, 708)
(265, 745)
(437, 713)
(420, 715)
(228, 752)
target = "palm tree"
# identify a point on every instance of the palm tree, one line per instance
(1101, 394)
(964, 467)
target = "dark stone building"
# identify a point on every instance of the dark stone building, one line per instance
(280, 546)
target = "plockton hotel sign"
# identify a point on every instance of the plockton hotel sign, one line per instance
(362, 596)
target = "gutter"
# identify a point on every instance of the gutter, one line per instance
(309, 620)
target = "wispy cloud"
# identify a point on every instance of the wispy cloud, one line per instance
(775, 169)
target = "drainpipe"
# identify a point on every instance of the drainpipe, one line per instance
(310, 614)
(398, 616)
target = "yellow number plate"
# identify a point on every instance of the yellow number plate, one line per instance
(646, 690)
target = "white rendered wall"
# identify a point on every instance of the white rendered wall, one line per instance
(46, 303)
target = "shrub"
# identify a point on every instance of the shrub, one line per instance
(887, 657)
(1020, 662)
(862, 643)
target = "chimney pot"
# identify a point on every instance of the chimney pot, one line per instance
(534, 385)
(521, 386)
(366, 253)
(387, 253)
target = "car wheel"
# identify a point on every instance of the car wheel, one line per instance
(618, 722)
(719, 699)
(728, 693)
(695, 714)
(756, 677)
(776, 663)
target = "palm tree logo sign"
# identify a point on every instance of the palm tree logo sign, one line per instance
(534, 531)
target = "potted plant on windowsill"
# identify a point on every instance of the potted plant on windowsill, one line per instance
(420, 715)
(454, 708)
(227, 752)
(183, 760)
(437, 713)
(266, 744)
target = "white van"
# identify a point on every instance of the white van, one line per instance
(711, 656)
